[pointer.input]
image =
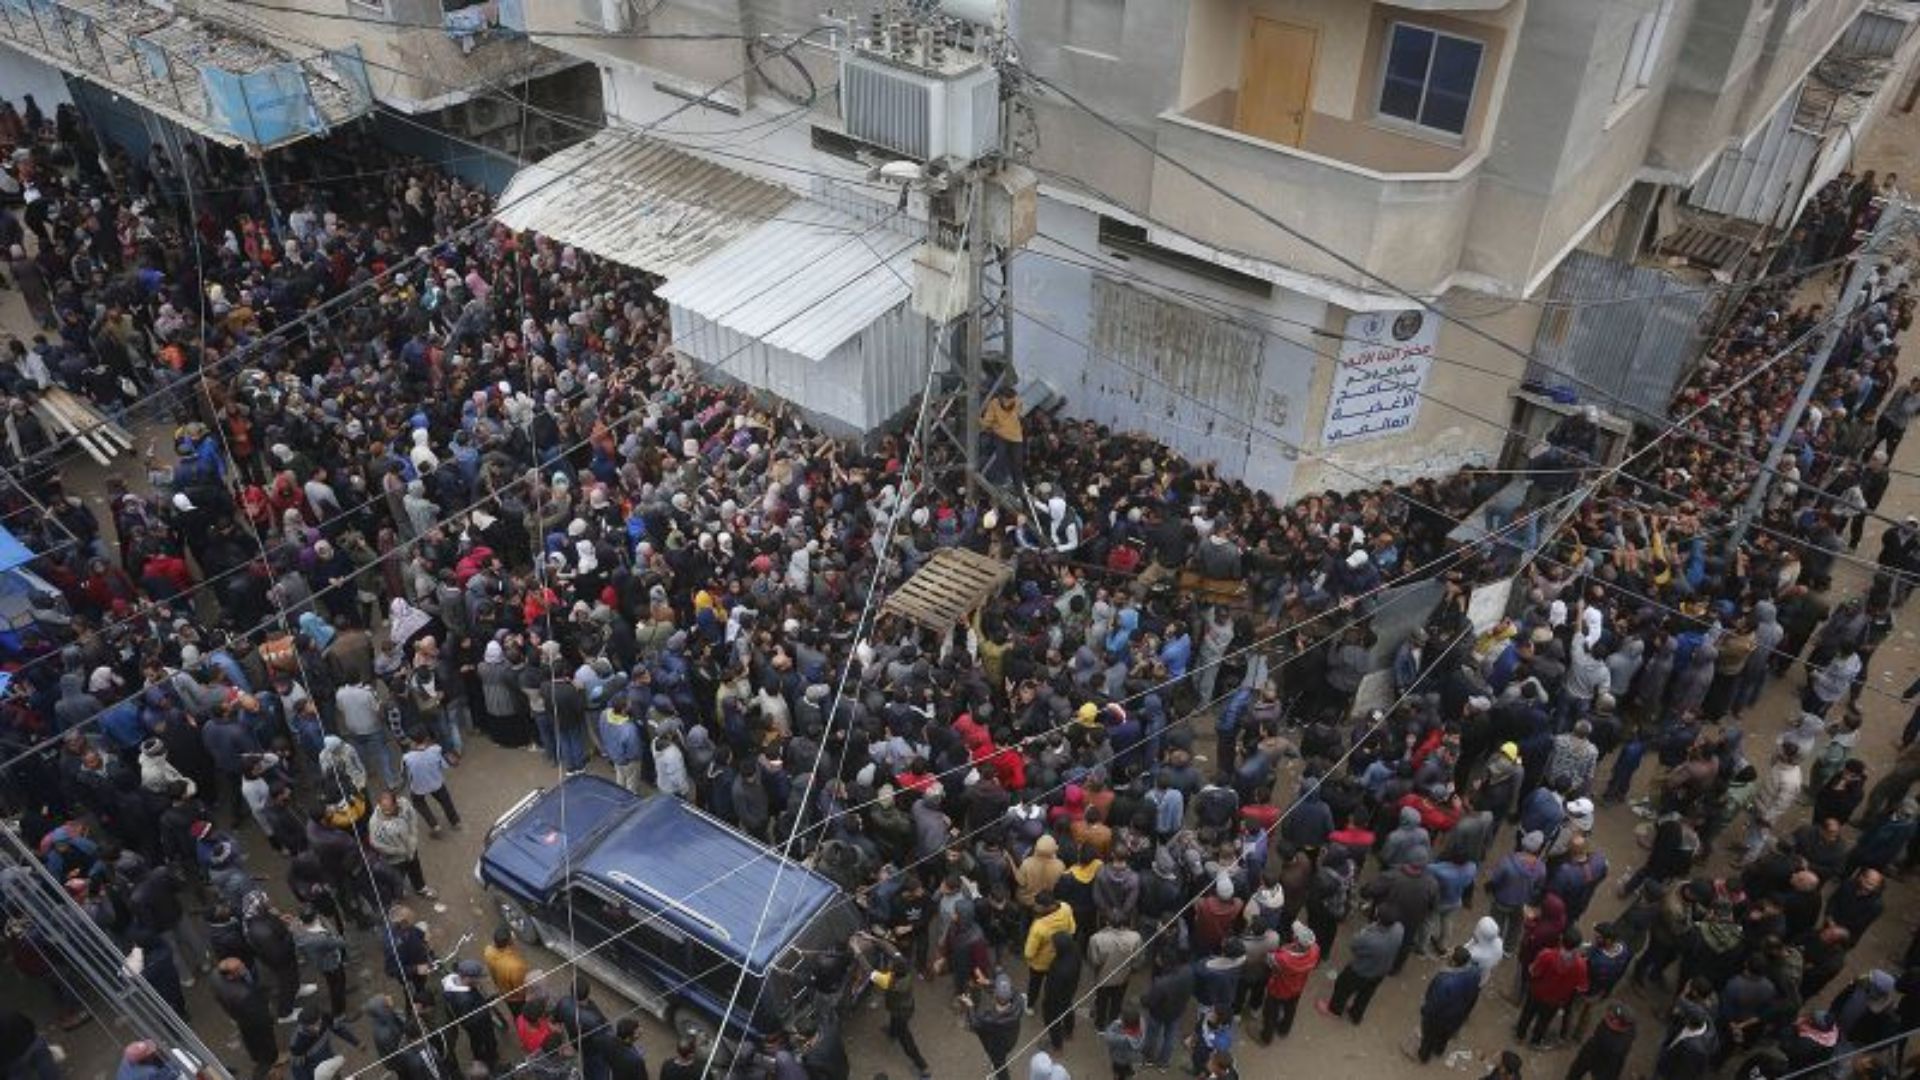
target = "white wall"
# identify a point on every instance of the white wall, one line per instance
(1053, 334)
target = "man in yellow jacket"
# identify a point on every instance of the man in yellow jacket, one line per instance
(1050, 917)
(1001, 421)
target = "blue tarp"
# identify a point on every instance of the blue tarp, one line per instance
(13, 553)
(264, 108)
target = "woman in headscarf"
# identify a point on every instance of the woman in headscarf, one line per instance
(504, 716)
(406, 623)
(318, 630)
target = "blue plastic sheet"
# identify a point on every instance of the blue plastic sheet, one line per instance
(154, 59)
(13, 553)
(263, 108)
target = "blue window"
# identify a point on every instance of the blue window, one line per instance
(1429, 78)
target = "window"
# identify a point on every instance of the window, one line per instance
(1429, 78)
(1643, 51)
(364, 7)
(1128, 241)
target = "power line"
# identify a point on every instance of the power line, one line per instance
(1146, 738)
(1398, 493)
(1761, 526)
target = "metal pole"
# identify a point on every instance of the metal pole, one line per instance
(85, 953)
(975, 341)
(266, 188)
(1849, 300)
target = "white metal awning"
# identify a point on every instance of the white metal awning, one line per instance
(803, 283)
(638, 202)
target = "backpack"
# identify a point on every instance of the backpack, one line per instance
(1333, 892)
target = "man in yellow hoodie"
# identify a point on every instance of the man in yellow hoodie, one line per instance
(1050, 917)
(1001, 422)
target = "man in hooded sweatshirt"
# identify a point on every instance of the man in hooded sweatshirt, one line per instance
(1449, 1001)
(1603, 1056)
(1556, 977)
(1287, 970)
(1412, 894)
(1370, 956)
(1050, 917)
(1043, 1067)
(996, 1022)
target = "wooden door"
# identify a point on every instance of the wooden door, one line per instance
(1276, 81)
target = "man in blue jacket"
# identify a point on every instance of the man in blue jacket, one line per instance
(1450, 999)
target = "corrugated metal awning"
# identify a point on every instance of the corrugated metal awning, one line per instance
(638, 202)
(804, 283)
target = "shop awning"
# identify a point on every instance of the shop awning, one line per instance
(638, 202)
(803, 283)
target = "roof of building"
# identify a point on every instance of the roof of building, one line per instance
(804, 283)
(638, 202)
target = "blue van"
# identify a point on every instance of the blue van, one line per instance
(659, 901)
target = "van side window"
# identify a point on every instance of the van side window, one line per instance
(608, 918)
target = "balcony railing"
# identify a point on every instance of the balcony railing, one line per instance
(1397, 210)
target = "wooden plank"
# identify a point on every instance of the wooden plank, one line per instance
(85, 442)
(928, 619)
(81, 420)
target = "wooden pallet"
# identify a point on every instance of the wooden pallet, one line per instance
(100, 437)
(948, 589)
(1712, 250)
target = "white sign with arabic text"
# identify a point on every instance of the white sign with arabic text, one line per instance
(1382, 372)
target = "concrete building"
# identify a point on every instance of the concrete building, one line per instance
(1505, 160)
(427, 76)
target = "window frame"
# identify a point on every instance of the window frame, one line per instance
(1644, 49)
(1385, 63)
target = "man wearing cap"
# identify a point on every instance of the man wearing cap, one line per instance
(1517, 881)
(471, 1010)
(1603, 1056)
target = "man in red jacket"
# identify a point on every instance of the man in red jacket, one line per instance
(1556, 977)
(1287, 971)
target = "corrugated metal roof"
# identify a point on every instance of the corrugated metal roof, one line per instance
(638, 202)
(804, 283)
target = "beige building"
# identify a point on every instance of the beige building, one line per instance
(1503, 159)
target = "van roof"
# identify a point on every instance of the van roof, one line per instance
(708, 878)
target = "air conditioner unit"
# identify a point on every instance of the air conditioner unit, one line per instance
(923, 113)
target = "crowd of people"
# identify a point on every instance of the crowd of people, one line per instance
(442, 490)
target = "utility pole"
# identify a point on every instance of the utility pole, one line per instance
(1851, 299)
(931, 82)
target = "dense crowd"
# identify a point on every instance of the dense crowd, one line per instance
(440, 489)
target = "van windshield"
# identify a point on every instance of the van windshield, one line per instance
(790, 993)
